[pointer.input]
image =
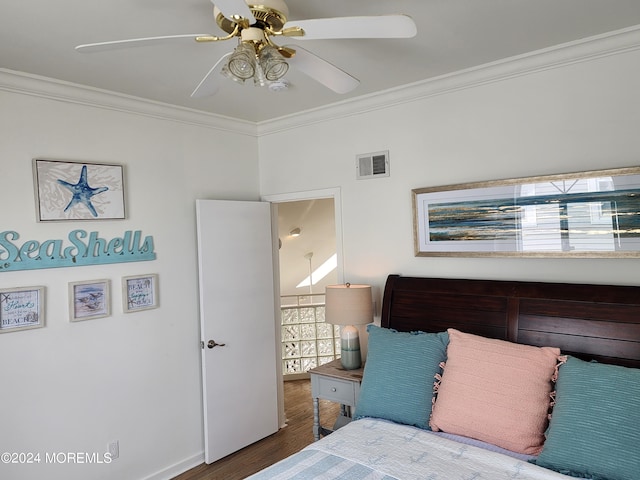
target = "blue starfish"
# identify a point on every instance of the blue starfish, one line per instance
(82, 192)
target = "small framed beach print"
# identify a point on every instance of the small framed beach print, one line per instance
(89, 300)
(68, 190)
(139, 292)
(21, 308)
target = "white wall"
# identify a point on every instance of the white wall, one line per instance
(75, 387)
(136, 377)
(577, 117)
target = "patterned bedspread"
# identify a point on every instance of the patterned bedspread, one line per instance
(372, 449)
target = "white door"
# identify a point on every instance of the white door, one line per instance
(237, 312)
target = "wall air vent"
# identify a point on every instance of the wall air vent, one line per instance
(372, 165)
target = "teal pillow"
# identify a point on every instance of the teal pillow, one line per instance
(399, 374)
(595, 428)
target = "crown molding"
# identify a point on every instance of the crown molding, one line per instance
(585, 50)
(37, 86)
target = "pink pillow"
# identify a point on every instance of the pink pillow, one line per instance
(495, 391)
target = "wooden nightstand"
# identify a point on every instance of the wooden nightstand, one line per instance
(332, 382)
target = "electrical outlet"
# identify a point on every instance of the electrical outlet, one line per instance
(114, 449)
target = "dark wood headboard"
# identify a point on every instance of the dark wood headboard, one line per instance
(592, 322)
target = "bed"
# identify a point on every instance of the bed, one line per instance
(486, 379)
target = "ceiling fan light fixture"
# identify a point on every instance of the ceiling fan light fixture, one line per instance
(259, 79)
(242, 63)
(262, 62)
(273, 64)
(227, 73)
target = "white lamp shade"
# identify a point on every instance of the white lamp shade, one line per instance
(348, 304)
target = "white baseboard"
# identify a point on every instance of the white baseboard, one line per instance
(177, 468)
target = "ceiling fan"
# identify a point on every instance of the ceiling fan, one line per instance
(258, 57)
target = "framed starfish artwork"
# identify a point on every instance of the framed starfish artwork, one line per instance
(67, 190)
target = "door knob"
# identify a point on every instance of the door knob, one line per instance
(213, 343)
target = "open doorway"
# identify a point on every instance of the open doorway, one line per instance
(305, 204)
(308, 263)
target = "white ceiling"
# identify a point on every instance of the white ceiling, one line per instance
(39, 36)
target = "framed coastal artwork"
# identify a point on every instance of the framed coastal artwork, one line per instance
(585, 214)
(139, 292)
(21, 308)
(89, 300)
(68, 190)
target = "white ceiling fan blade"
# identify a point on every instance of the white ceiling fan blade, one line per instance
(383, 26)
(322, 71)
(209, 84)
(137, 42)
(229, 8)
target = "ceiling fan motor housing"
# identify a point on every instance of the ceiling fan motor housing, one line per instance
(270, 14)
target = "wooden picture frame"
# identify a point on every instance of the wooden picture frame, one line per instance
(70, 190)
(139, 292)
(586, 214)
(89, 300)
(21, 308)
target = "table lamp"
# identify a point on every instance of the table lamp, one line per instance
(348, 305)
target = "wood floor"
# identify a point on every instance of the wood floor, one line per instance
(297, 435)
